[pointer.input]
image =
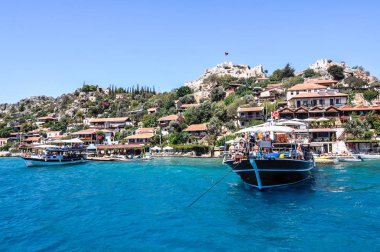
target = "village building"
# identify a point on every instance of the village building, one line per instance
(45, 119)
(145, 130)
(3, 141)
(165, 121)
(182, 107)
(89, 136)
(119, 96)
(198, 131)
(108, 123)
(324, 98)
(33, 140)
(142, 138)
(152, 111)
(303, 88)
(246, 115)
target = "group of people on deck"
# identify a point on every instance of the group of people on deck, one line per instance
(251, 144)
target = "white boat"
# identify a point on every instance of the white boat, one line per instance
(54, 156)
(368, 156)
(349, 159)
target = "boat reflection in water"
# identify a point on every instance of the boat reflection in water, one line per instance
(271, 161)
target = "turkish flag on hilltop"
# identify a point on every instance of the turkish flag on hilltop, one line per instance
(225, 53)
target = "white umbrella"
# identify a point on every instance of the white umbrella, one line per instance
(91, 147)
(168, 148)
(322, 119)
(279, 129)
(251, 129)
(290, 122)
(310, 120)
(155, 148)
(45, 146)
(74, 140)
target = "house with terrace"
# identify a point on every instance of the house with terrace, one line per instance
(303, 88)
(165, 121)
(246, 115)
(182, 107)
(143, 138)
(89, 136)
(45, 119)
(197, 131)
(108, 123)
(324, 98)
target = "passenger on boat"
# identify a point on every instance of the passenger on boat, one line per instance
(299, 151)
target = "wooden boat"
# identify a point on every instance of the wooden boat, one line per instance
(269, 170)
(53, 156)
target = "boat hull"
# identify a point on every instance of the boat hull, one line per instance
(368, 156)
(34, 162)
(263, 174)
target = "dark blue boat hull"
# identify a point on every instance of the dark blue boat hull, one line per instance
(267, 173)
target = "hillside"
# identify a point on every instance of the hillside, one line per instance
(203, 85)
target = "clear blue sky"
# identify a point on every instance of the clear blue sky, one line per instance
(52, 47)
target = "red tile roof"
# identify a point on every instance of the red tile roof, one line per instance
(33, 139)
(317, 95)
(357, 108)
(306, 86)
(46, 118)
(140, 136)
(115, 119)
(321, 82)
(168, 118)
(196, 127)
(144, 130)
(251, 109)
(189, 105)
(85, 132)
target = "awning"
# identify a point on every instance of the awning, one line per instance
(316, 144)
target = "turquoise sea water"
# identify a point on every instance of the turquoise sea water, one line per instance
(143, 207)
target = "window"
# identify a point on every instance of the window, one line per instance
(291, 93)
(337, 101)
(309, 91)
(297, 92)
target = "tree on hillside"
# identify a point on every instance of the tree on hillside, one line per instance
(187, 99)
(355, 82)
(337, 72)
(370, 94)
(287, 71)
(276, 75)
(356, 127)
(149, 121)
(213, 131)
(309, 73)
(290, 82)
(182, 91)
(217, 94)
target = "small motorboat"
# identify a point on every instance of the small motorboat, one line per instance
(349, 159)
(368, 156)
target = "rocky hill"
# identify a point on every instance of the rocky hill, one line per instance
(321, 66)
(203, 85)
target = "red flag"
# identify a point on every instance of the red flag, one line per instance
(225, 53)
